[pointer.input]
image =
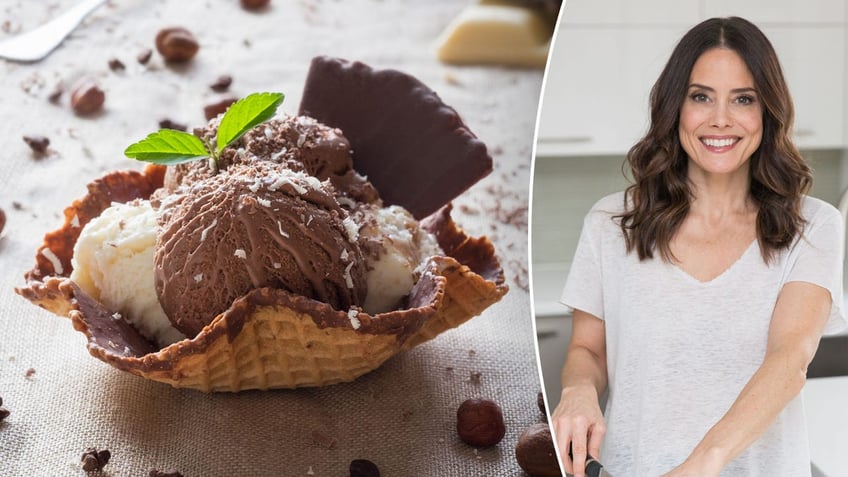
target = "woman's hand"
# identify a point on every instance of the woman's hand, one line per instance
(698, 465)
(579, 427)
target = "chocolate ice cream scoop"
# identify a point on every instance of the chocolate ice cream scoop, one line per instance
(252, 226)
(298, 142)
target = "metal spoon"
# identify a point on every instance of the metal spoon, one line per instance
(38, 43)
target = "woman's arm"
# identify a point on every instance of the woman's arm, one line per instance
(578, 421)
(796, 327)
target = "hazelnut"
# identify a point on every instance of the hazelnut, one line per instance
(535, 452)
(218, 107)
(363, 468)
(87, 97)
(254, 4)
(479, 422)
(176, 44)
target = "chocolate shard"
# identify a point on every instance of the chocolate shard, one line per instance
(414, 148)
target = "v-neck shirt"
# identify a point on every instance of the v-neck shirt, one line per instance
(679, 350)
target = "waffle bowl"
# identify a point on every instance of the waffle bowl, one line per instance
(269, 338)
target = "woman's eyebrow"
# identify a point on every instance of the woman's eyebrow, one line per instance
(735, 90)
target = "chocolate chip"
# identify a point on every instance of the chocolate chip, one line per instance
(37, 143)
(94, 460)
(87, 97)
(116, 65)
(254, 4)
(363, 468)
(144, 56)
(170, 124)
(164, 473)
(222, 83)
(4, 413)
(218, 107)
(56, 94)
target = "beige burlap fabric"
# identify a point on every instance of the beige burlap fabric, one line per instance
(401, 416)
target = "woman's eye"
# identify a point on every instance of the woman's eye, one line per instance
(699, 97)
(745, 99)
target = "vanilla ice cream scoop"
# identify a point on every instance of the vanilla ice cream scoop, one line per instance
(113, 262)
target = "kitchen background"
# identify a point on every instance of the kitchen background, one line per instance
(606, 57)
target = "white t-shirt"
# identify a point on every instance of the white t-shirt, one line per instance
(679, 351)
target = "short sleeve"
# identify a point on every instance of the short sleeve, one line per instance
(818, 260)
(584, 285)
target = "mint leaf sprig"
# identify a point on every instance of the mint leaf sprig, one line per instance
(170, 147)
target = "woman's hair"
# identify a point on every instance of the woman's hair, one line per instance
(658, 200)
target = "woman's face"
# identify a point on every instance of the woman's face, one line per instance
(721, 120)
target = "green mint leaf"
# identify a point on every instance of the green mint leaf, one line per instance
(246, 113)
(168, 147)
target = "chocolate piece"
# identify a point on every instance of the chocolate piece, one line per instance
(94, 460)
(414, 149)
(222, 83)
(37, 143)
(116, 65)
(144, 56)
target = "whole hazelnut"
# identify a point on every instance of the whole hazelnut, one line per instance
(87, 97)
(535, 452)
(176, 44)
(479, 422)
(254, 4)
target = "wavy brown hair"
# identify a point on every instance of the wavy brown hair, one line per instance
(658, 200)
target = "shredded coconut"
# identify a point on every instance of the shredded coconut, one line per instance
(75, 221)
(354, 321)
(54, 260)
(280, 229)
(264, 202)
(198, 278)
(301, 140)
(346, 201)
(207, 229)
(240, 254)
(344, 255)
(276, 156)
(254, 187)
(278, 265)
(348, 278)
(116, 316)
(351, 228)
(269, 133)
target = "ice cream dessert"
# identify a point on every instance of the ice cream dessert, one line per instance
(281, 265)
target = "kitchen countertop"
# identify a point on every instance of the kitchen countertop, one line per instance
(827, 420)
(401, 416)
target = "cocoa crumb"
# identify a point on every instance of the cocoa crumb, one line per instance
(164, 473)
(171, 124)
(2, 225)
(475, 377)
(37, 143)
(56, 94)
(222, 83)
(323, 440)
(4, 413)
(17, 205)
(94, 460)
(116, 65)
(29, 373)
(521, 277)
(144, 56)
(218, 107)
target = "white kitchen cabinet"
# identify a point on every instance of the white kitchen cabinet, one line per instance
(765, 12)
(597, 89)
(596, 93)
(629, 12)
(814, 62)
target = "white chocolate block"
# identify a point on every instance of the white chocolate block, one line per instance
(497, 34)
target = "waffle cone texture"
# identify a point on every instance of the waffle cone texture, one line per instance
(269, 338)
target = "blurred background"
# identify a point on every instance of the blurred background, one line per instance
(604, 61)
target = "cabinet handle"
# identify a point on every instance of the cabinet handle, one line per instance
(804, 133)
